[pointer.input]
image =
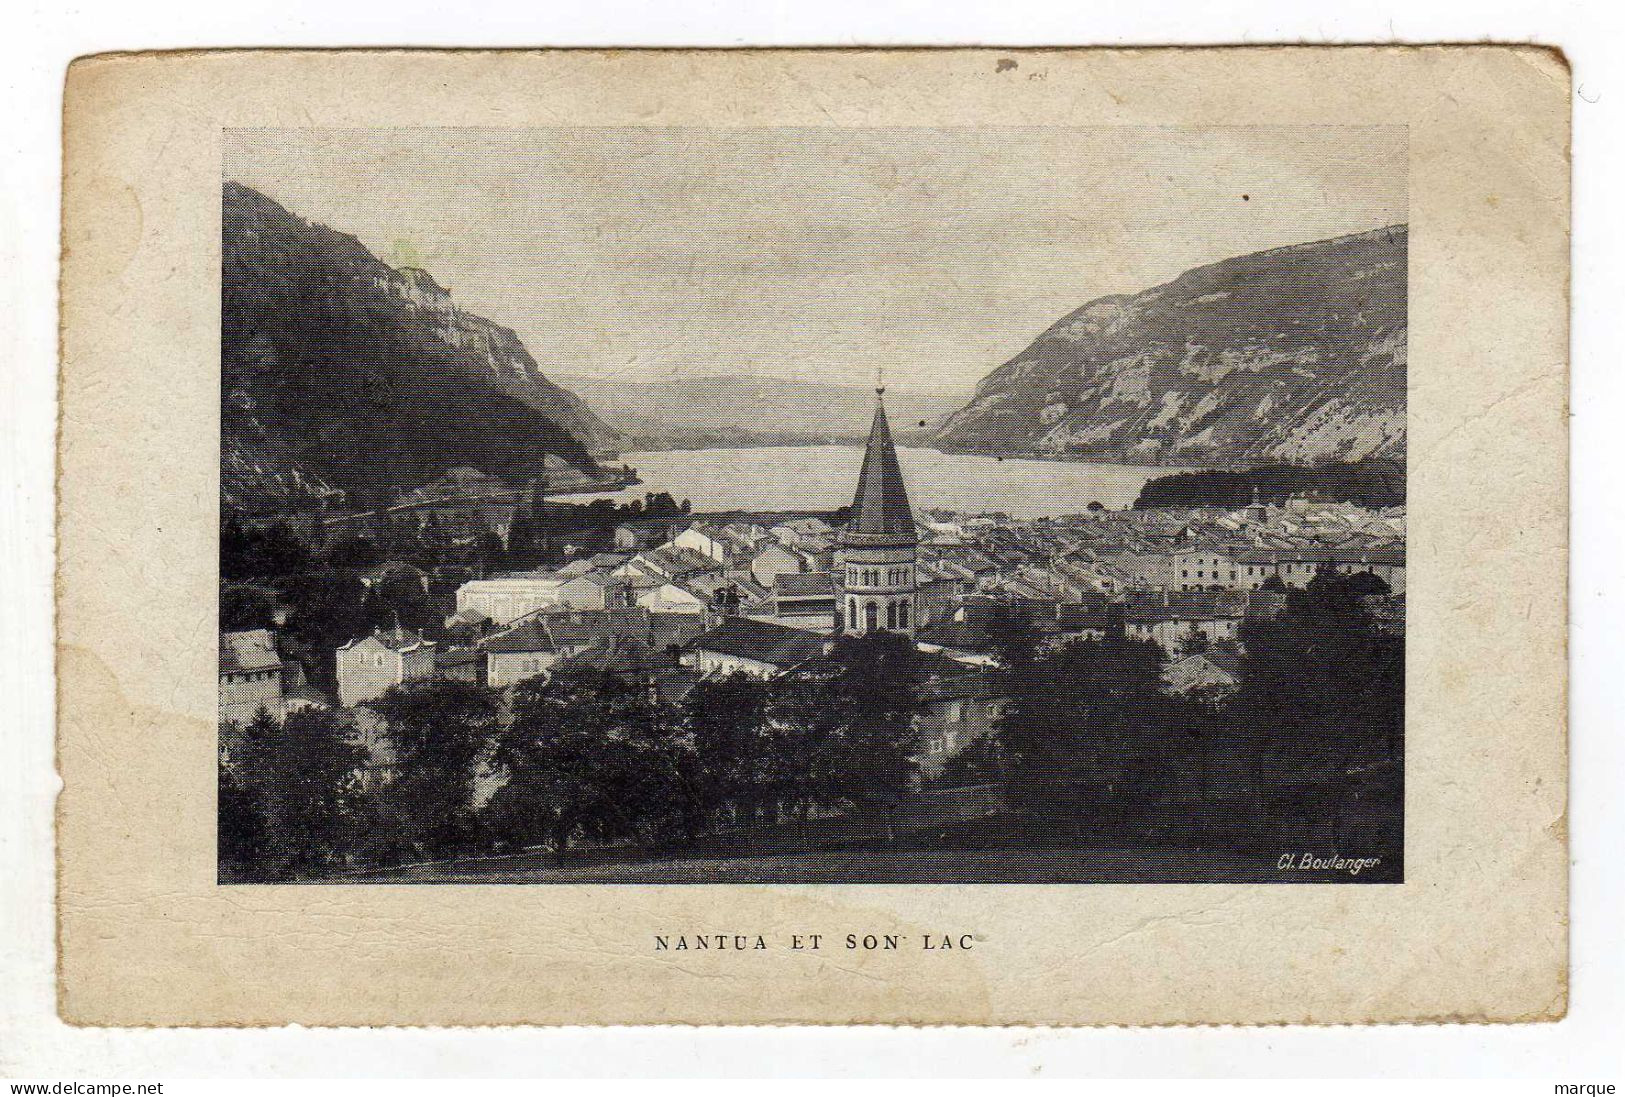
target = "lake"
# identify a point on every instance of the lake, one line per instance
(817, 477)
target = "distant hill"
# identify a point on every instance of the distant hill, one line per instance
(699, 412)
(340, 373)
(1294, 355)
(1372, 482)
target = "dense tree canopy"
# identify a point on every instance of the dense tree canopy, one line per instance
(586, 755)
(1373, 482)
(439, 730)
(1091, 735)
(291, 802)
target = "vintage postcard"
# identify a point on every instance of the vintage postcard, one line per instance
(928, 537)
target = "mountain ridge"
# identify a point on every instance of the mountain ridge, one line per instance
(722, 410)
(1294, 354)
(342, 375)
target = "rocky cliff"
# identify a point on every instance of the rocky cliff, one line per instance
(342, 374)
(1292, 355)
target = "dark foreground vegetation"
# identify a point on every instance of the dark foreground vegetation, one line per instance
(584, 776)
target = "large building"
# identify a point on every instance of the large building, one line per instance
(507, 597)
(876, 566)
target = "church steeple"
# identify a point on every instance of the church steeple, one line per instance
(880, 511)
(877, 564)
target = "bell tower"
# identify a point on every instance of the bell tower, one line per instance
(876, 567)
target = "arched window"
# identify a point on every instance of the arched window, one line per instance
(852, 612)
(870, 617)
(902, 615)
(891, 615)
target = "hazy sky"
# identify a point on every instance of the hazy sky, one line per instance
(936, 254)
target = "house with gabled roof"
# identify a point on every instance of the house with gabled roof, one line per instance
(667, 563)
(803, 601)
(508, 596)
(1176, 619)
(523, 651)
(369, 667)
(535, 644)
(775, 559)
(760, 648)
(1215, 672)
(250, 675)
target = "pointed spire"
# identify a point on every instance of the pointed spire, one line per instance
(880, 510)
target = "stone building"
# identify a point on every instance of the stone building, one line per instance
(955, 712)
(368, 667)
(509, 596)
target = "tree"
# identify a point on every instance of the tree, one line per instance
(440, 731)
(1012, 638)
(329, 608)
(660, 504)
(354, 551)
(487, 553)
(1321, 707)
(248, 552)
(1091, 737)
(726, 722)
(1367, 584)
(873, 755)
(799, 764)
(585, 756)
(841, 731)
(241, 827)
(982, 762)
(1371, 482)
(528, 536)
(304, 779)
(398, 599)
(246, 607)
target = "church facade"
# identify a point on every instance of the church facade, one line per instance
(877, 564)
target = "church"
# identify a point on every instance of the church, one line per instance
(876, 567)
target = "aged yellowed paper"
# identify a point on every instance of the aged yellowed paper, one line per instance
(657, 576)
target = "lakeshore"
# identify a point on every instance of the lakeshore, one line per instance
(769, 478)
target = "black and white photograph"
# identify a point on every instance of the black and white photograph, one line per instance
(954, 551)
(789, 505)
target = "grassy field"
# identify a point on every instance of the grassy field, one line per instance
(992, 848)
(872, 866)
